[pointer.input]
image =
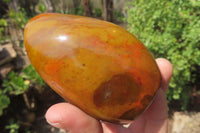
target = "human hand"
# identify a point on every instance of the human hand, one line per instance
(153, 120)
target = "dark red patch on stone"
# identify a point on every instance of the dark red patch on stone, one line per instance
(130, 114)
(119, 90)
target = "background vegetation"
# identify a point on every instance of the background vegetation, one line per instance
(171, 29)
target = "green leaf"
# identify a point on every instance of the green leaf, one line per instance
(176, 96)
(13, 127)
(11, 75)
(6, 0)
(31, 74)
(15, 84)
(3, 22)
(12, 13)
(4, 102)
(42, 8)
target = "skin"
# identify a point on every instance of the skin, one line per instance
(153, 120)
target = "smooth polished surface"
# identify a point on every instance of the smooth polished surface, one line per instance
(93, 64)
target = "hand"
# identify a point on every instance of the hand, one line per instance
(153, 120)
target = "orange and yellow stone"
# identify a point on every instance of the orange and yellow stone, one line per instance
(93, 64)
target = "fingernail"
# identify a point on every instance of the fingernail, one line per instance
(55, 124)
(58, 125)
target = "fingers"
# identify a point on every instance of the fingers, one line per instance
(166, 71)
(158, 109)
(154, 119)
(113, 128)
(72, 119)
(157, 113)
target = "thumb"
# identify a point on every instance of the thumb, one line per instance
(72, 119)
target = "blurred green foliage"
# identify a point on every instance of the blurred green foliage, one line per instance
(17, 84)
(79, 11)
(42, 8)
(170, 29)
(3, 22)
(4, 102)
(6, 0)
(13, 126)
(29, 73)
(19, 18)
(97, 12)
(119, 16)
(3, 26)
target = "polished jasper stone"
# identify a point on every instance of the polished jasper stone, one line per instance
(96, 65)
